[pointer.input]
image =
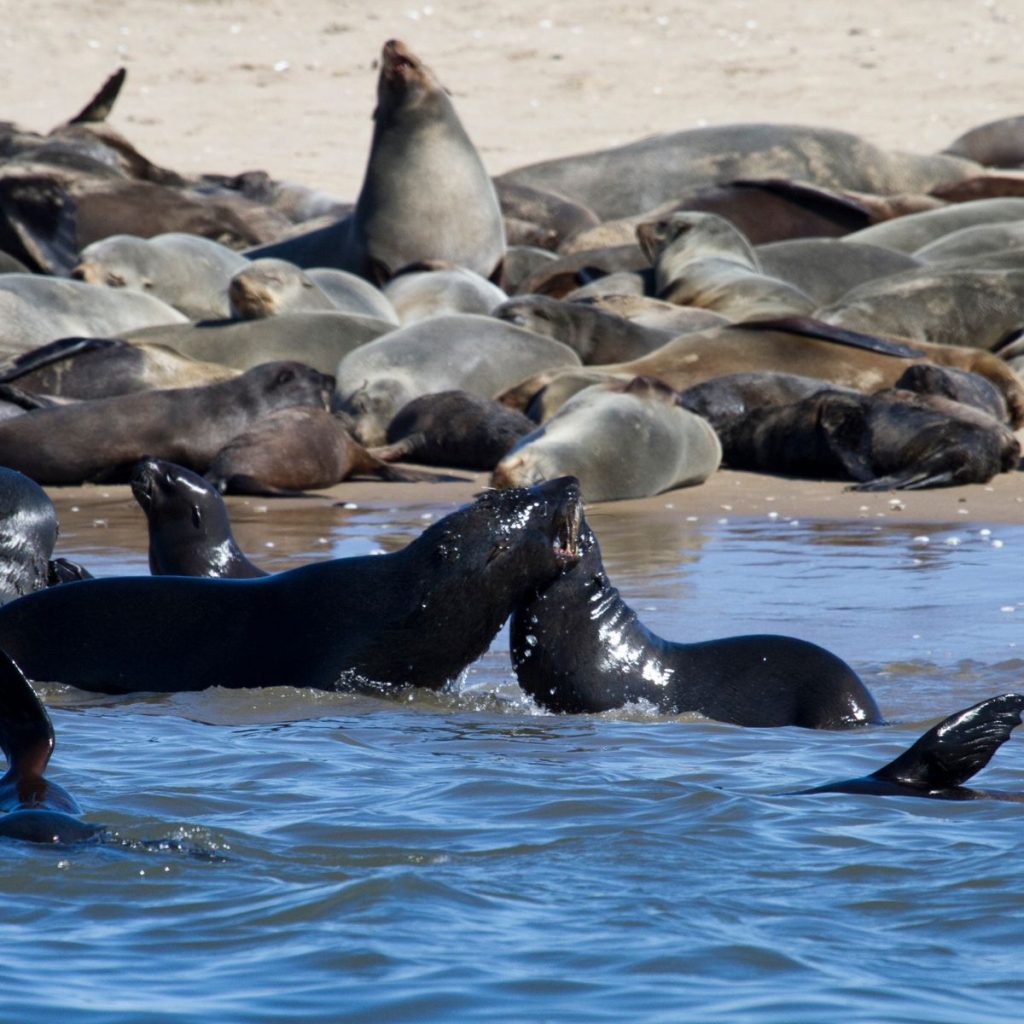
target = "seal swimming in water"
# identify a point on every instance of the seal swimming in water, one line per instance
(417, 617)
(578, 647)
(945, 757)
(189, 529)
(36, 810)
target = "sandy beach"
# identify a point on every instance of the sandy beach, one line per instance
(231, 86)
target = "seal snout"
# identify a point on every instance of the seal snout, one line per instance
(143, 477)
(566, 520)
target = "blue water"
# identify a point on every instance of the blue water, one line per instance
(463, 856)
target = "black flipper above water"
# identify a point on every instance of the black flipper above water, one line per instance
(946, 756)
(37, 810)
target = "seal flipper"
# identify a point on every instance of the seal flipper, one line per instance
(26, 738)
(99, 107)
(957, 748)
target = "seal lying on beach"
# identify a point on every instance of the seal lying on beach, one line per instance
(417, 617)
(578, 647)
(945, 757)
(36, 810)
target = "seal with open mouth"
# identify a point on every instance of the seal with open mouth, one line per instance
(418, 616)
(577, 646)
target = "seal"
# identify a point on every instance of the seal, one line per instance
(86, 368)
(419, 292)
(189, 529)
(426, 194)
(269, 287)
(187, 272)
(578, 647)
(945, 757)
(35, 809)
(453, 428)
(103, 439)
(701, 260)
(993, 144)
(291, 451)
(621, 440)
(417, 616)
(319, 339)
(36, 310)
(892, 440)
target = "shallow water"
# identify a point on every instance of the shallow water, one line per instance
(464, 856)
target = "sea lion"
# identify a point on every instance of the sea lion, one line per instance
(793, 345)
(827, 268)
(945, 757)
(595, 335)
(36, 310)
(471, 353)
(641, 175)
(944, 304)
(417, 617)
(453, 428)
(269, 287)
(958, 385)
(318, 339)
(910, 233)
(993, 144)
(103, 439)
(84, 368)
(425, 196)
(187, 272)
(567, 273)
(892, 440)
(418, 293)
(701, 260)
(189, 529)
(578, 647)
(971, 242)
(291, 451)
(520, 262)
(28, 533)
(554, 216)
(35, 809)
(620, 440)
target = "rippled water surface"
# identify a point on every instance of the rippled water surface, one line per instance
(464, 856)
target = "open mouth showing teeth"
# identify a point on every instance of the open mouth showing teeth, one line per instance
(566, 542)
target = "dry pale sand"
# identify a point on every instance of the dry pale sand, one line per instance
(229, 85)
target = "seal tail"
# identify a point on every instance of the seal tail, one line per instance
(958, 747)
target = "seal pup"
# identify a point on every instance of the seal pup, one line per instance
(35, 809)
(425, 196)
(578, 647)
(417, 617)
(701, 260)
(436, 289)
(453, 428)
(189, 529)
(945, 757)
(103, 439)
(620, 440)
(294, 450)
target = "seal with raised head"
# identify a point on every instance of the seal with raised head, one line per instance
(426, 194)
(189, 529)
(578, 647)
(945, 757)
(416, 617)
(104, 438)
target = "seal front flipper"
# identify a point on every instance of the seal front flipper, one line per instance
(946, 756)
(99, 107)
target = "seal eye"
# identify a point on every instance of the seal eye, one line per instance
(284, 377)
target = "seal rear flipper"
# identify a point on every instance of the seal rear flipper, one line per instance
(909, 480)
(54, 352)
(38, 223)
(99, 107)
(957, 748)
(400, 449)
